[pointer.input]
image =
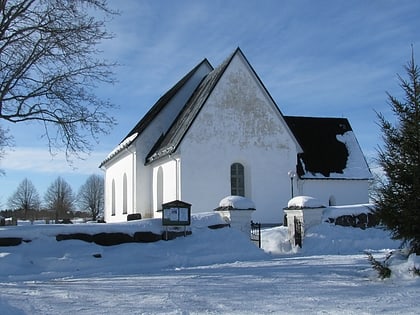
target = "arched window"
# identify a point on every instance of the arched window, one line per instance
(125, 193)
(237, 180)
(159, 188)
(113, 198)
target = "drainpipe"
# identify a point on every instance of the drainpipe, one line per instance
(292, 175)
(176, 177)
(133, 176)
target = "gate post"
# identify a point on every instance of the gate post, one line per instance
(295, 226)
(237, 211)
(301, 216)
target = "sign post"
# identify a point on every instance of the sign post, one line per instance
(176, 213)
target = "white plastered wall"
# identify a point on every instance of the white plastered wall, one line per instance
(335, 191)
(143, 174)
(166, 182)
(125, 164)
(238, 124)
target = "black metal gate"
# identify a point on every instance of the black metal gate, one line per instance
(298, 232)
(256, 233)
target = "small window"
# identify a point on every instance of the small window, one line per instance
(237, 180)
(113, 198)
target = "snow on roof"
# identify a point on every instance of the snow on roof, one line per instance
(237, 202)
(356, 166)
(301, 202)
(125, 144)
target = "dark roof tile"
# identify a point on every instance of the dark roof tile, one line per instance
(322, 152)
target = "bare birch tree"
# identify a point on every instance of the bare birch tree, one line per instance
(49, 69)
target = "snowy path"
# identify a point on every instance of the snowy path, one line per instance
(326, 284)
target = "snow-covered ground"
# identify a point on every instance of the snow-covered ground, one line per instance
(211, 271)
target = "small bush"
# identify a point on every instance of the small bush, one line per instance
(415, 271)
(381, 267)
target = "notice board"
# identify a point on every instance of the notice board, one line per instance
(176, 213)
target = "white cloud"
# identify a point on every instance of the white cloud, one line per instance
(39, 160)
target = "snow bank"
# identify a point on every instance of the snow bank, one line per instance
(44, 257)
(399, 266)
(334, 239)
(205, 219)
(211, 271)
(51, 230)
(328, 239)
(276, 241)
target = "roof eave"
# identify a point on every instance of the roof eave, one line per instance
(125, 145)
(160, 154)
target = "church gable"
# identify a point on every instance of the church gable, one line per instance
(240, 105)
(241, 110)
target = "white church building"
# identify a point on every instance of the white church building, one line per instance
(218, 132)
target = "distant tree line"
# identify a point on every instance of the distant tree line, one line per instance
(60, 203)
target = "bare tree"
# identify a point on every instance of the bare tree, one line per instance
(91, 195)
(25, 198)
(49, 69)
(59, 198)
(5, 141)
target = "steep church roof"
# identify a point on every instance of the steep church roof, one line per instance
(170, 141)
(330, 149)
(162, 102)
(149, 117)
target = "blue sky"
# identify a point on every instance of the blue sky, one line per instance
(316, 58)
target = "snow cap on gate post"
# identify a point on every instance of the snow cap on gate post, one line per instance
(302, 212)
(237, 211)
